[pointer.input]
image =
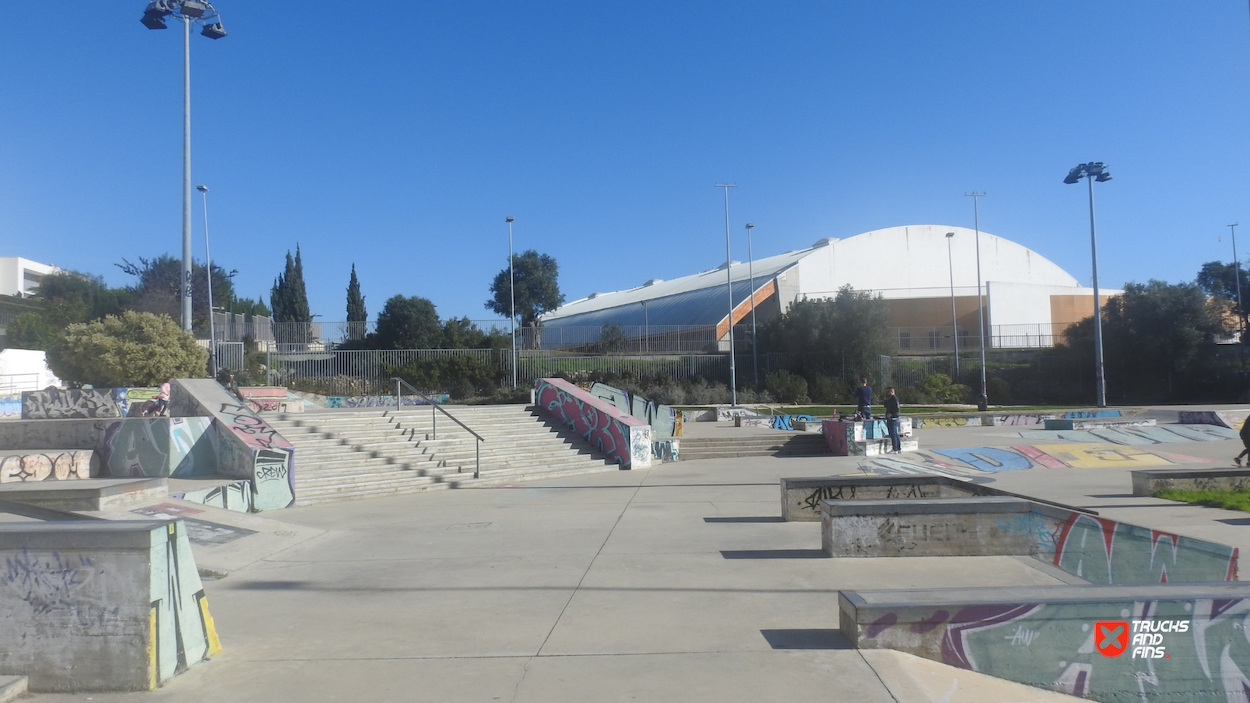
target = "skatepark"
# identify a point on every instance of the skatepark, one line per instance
(675, 581)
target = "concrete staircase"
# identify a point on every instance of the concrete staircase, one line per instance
(348, 454)
(780, 443)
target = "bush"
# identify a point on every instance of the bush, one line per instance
(31, 330)
(786, 387)
(938, 388)
(999, 391)
(829, 390)
(463, 389)
(134, 349)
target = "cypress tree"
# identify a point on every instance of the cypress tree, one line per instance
(289, 301)
(356, 313)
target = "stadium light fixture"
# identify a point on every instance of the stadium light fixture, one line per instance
(1094, 171)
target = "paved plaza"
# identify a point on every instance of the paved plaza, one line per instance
(674, 583)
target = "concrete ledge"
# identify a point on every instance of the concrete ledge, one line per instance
(801, 497)
(1045, 636)
(12, 688)
(1147, 482)
(1092, 548)
(1095, 423)
(93, 494)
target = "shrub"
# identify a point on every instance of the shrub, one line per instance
(133, 349)
(785, 386)
(463, 389)
(826, 389)
(938, 388)
(999, 390)
(31, 330)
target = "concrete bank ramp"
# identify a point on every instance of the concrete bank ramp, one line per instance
(1232, 419)
(913, 679)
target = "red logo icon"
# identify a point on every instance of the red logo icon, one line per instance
(1111, 637)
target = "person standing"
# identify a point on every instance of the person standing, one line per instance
(1245, 441)
(892, 413)
(162, 398)
(863, 399)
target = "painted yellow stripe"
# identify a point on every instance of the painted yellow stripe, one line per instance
(152, 665)
(210, 628)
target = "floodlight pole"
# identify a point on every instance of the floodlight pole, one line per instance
(1241, 325)
(950, 260)
(208, 267)
(1100, 378)
(755, 354)
(729, 283)
(983, 403)
(512, 295)
(186, 175)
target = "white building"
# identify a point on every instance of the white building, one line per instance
(21, 277)
(1028, 300)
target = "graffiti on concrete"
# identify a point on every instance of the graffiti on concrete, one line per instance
(1105, 551)
(157, 446)
(924, 422)
(11, 406)
(48, 466)
(1052, 646)
(1161, 434)
(1018, 419)
(184, 629)
(614, 433)
(380, 401)
(665, 450)
(238, 497)
(962, 462)
(76, 403)
(65, 584)
(786, 422)
(664, 420)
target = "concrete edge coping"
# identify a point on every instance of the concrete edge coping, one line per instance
(925, 479)
(929, 506)
(105, 534)
(78, 488)
(1191, 473)
(12, 688)
(1058, 594)
(41, 513)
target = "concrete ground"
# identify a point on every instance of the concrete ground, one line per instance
(675, 583)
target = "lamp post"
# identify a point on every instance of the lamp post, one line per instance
(188, 12)
(208, 269)
(1094, 171)
(950, 260)
(1241, 326)
(512, 295)
(755, 355)
(729, 284)
(983, 403)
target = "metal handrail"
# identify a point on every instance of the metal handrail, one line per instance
(399, 403)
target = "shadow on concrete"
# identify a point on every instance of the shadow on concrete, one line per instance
(806, 639)
(773, 554)
(745, 519)
(1235, 521)
(273, 586)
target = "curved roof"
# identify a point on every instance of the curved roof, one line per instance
(897, 262)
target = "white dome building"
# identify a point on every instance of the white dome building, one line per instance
(1029, 300)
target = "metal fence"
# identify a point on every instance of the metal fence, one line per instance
(938, 339)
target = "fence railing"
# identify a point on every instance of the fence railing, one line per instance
(17, 382)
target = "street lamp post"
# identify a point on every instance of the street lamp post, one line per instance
(950, 260)
(1094, 171)
(1241, 326)
(729, 283)
(512, 296)
(208, 269)
(755, 354)
(983, 403)
(188, 12)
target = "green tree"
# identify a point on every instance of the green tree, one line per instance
(289, 301)
(156, 289)
(537, 288)
(611, 339)
(31, 330)
(133, 349)
(408, 323)
(1219, 280)
(71, 296)
(463, 334)
(843, 336)
(357, 316)
(1158, 342)
(247, 306)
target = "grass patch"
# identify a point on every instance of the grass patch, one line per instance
(1228, 500)
(878, 409)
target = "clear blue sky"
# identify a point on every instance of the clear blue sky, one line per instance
(401, 141)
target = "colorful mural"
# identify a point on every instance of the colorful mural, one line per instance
(1159, 434)
(158, 446)
(380, 401)
(618, 435)
(50, 465)
(1056, 646)
(964, 461)
(664, 420)
(11, 406)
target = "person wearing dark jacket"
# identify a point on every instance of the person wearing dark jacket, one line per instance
(1245, 441)
(892, 413)
(863, 399)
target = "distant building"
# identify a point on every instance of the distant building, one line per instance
(20, 277)
(1029, 300)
